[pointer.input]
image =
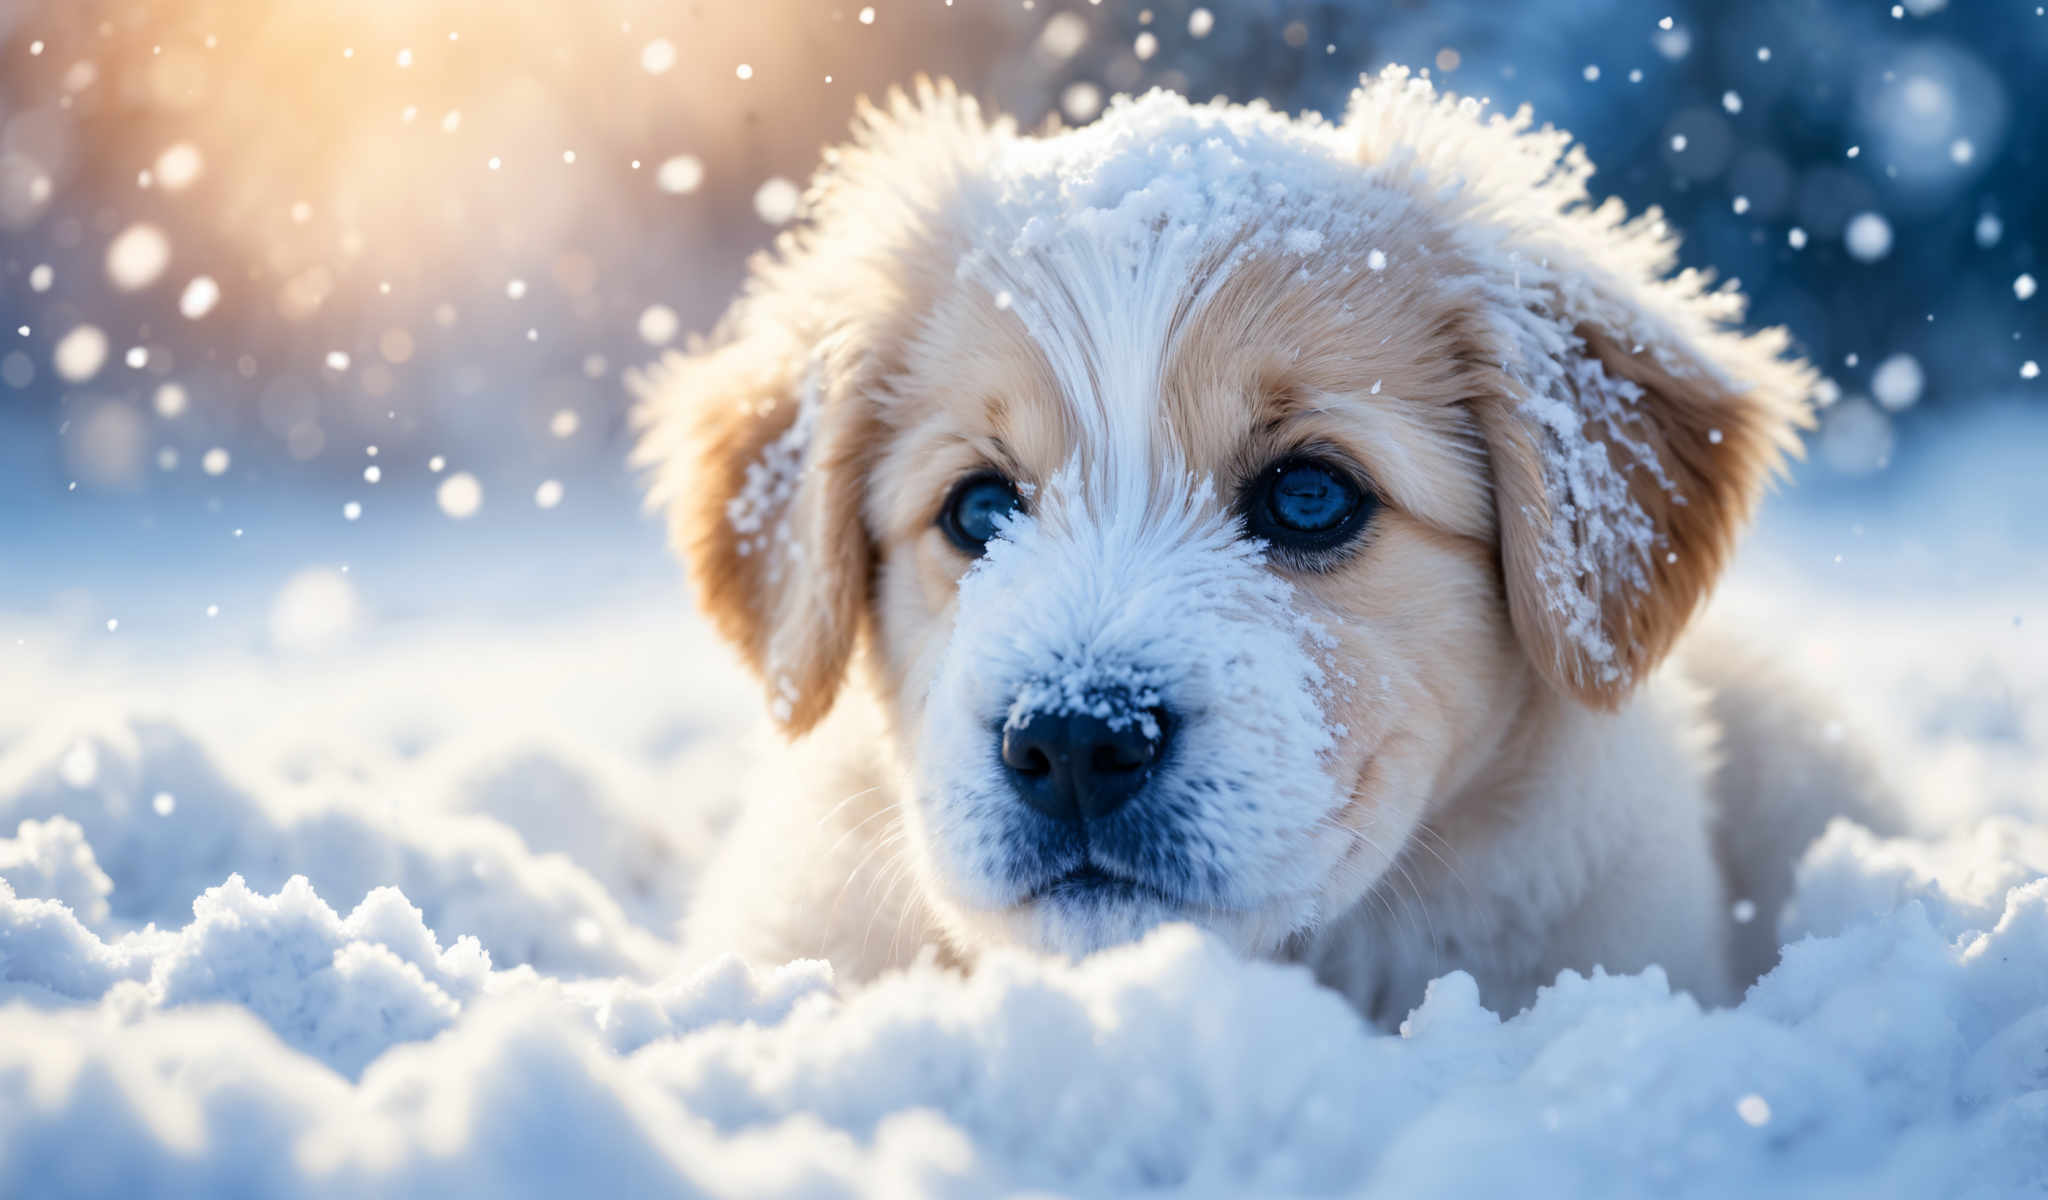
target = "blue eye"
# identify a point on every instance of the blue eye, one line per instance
(1303, 505)
(974, 511)
(1309, 499)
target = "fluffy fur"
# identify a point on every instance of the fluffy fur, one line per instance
(1465, 744)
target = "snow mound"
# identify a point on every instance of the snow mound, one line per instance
(361, 1057)
(299, 1026)
(106, 779)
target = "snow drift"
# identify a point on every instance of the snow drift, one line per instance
(329, 942)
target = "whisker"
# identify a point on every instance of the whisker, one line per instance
(867, 860)
(900, 873)
(856, 827)
(834, 810)
(1424, 832)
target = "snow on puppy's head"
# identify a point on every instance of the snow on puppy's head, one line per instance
(1206, 491)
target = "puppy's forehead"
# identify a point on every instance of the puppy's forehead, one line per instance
(1143, 296)
(1104, 242)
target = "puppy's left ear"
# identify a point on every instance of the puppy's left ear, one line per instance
(1631, 433)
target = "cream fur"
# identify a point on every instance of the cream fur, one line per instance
(1453, 749)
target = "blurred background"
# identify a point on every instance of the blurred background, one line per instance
(315, 313)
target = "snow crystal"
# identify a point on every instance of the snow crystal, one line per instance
(1989, 230)
(1868, 237)
(199, 297)
(1303, 241)
(80, 353)
(179, 166)
(2023, 287)
(1897, 382)
(657, 56)
(460, 495)
(40, 277)
(776, 200)
(659, 324)
(137, 256)
(80, 765)
(1146, 45)
(1200, 22)
(1856, 437)
(2030, 369)
(1062, 38)
(548, 494)
(759, 512)
(315, 611)
(679, 175)
(215, 461)
(1081, 101)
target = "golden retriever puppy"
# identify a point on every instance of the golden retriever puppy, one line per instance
(1210, 515)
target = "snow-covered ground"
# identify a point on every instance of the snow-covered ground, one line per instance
(400, 916)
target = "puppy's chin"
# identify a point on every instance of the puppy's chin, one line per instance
(1080, 915)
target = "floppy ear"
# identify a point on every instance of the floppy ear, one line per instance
(1630, 428)
(1627, 458)
(761, 441)
(759, 462)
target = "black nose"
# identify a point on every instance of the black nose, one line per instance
(1072, 766)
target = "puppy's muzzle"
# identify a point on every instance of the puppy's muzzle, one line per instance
(1082, 765)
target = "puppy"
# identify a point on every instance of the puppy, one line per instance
(1281, 526)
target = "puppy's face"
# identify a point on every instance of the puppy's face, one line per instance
(1195, 626)
(1211, 494)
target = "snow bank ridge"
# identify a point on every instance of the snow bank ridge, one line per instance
(269, 1044)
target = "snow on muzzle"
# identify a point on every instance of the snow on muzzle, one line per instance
(1156, 627)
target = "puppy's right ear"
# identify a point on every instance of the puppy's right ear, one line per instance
(759, 462)
(760, 442)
